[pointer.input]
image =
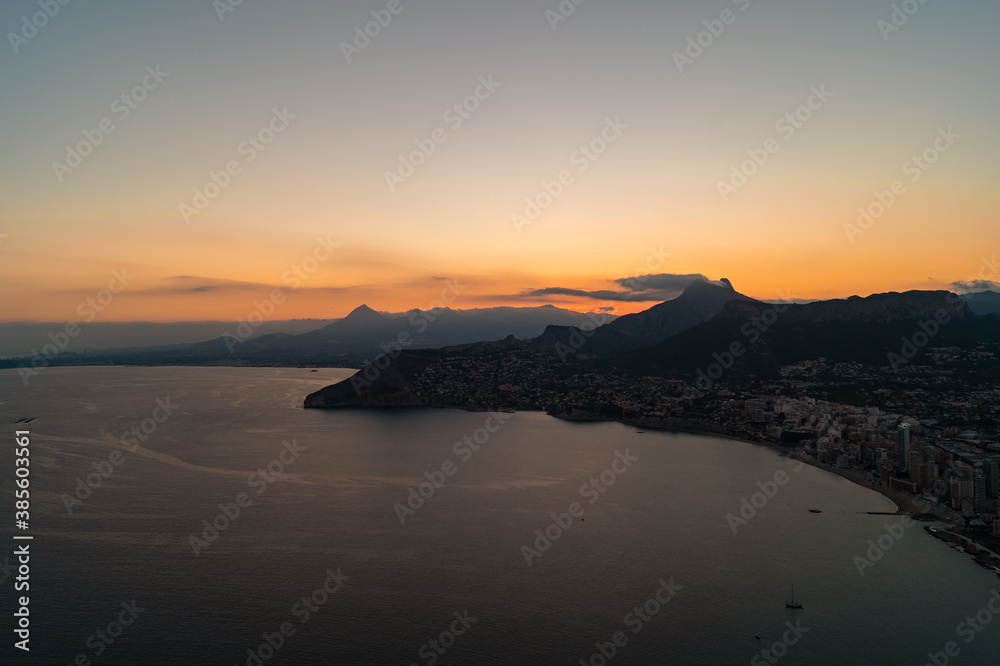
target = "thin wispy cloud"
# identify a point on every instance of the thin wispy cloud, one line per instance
(639, 289)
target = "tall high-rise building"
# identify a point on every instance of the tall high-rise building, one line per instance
(925, 475)
(961, 489)
(884, 467)
(903, 446)
(992, 470)
(979, 498)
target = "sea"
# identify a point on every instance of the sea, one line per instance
(194, 515)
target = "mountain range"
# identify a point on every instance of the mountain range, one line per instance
(673, 338)
(707, 331)
(984, 302)
(347, 342)
(861, 330)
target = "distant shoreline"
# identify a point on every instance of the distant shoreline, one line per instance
(929, 513)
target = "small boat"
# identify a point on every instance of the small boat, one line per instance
(815, 511)
(791, 603)
(757, 636)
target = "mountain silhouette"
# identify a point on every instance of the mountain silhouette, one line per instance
(699, 303)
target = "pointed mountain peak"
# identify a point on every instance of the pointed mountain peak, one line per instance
(699, 285)
(363, 312)
(702, 286)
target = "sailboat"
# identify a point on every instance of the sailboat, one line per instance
(791, 602)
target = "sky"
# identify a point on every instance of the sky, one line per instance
(274, 152)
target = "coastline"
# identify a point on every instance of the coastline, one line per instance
(903, 503)
(899, 500)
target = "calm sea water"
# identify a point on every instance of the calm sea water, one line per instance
(662, 519)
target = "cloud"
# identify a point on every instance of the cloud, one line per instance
(187, 284)
(660, 282)
(976, 285)
(602, 295)
(181, 285)
(639, 289)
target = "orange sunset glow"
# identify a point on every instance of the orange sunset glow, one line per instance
(553, 169)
